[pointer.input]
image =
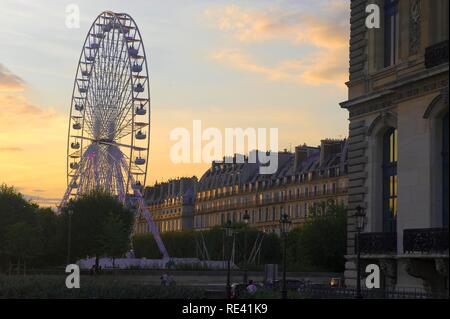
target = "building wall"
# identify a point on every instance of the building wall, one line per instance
(294, 188)
(396, 96)
(265, 206)
(171, 205)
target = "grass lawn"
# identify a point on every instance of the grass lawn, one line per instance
(53, 286)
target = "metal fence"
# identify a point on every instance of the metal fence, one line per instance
(326, 292)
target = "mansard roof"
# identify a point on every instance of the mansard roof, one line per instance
(330, 155)
(184, 187)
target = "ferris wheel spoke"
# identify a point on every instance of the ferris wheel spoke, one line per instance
(114, 116)
(125, 115)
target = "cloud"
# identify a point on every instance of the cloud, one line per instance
(15, 110)
(318, 69)
(38, 190)
(326, 36)
(11, 149)
(43, 201)
(299, 27)
(241, 60)
(10, 82)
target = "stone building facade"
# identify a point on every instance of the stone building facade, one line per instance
(398, 142)
(171, 205)
(308, 177)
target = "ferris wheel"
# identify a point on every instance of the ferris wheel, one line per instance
(109, 127)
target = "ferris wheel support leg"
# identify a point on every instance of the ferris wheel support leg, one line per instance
(151, 224)
(119, 184)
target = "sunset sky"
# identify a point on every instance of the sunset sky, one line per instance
(241, 64)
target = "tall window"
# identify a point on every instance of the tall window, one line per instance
(391, 27)
(390, 180)
(445, 172)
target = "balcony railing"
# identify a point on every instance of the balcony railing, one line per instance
(428, 240)
(254, 203)
(378, 243)
(436, 54)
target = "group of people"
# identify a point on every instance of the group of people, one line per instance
(250, 288)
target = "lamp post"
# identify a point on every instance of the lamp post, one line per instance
(284, 226)
(360, 216)
(228, 234)
(69, 235)
(246, 218)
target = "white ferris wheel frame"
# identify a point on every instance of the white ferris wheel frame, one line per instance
(110, 106)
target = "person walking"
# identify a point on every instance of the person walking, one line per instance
(251, 287)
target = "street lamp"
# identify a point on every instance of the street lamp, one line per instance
(228, 234)
(284, 227)
(69, 235)
(360, 216)
(246, 218)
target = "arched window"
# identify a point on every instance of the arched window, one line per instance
(390, 200)
(445, 172)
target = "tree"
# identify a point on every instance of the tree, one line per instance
(115, 237)
(53, 236)
(22, 242)
(320, 244)
(144, 246)
(95, 217)
(14, 208)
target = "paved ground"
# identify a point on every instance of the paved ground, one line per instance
(213, 280)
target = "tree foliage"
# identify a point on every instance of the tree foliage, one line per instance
(191, 244)
(28, 234)
(320, 244)
(100, 225)
(37, 237)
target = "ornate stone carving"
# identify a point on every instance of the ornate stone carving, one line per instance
(431, 271)
(420, 268)
(389, 268)
(378, 243)
(414, 26)
(436, 54)
(425, 241)
(385, 119)
(404, 93)
(442, 266)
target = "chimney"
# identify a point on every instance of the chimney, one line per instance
(329, 148)
(182, 186)
(301, 153)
